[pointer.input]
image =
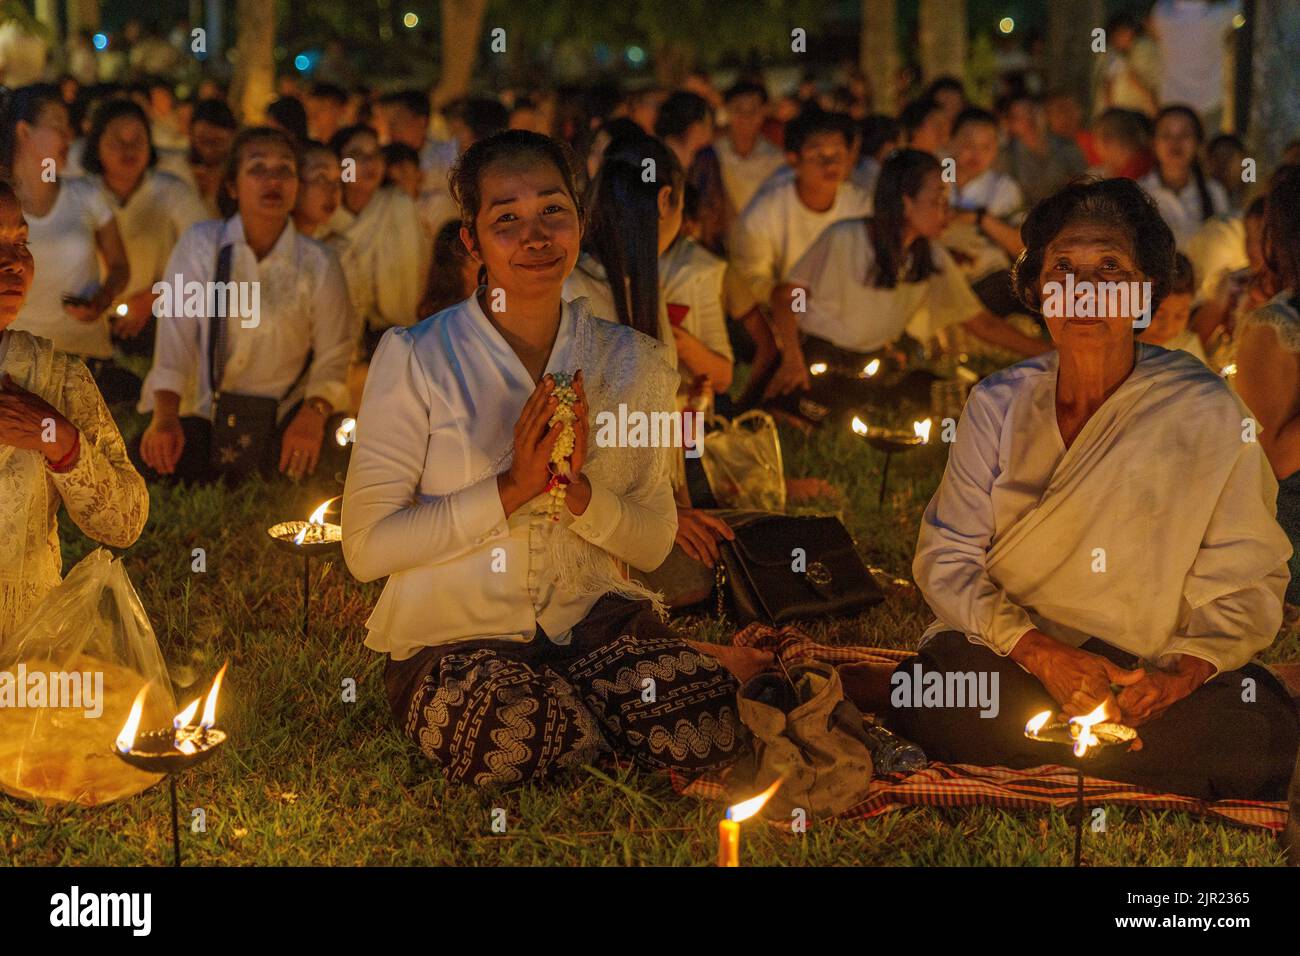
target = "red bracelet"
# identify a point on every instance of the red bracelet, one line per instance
(68, 460)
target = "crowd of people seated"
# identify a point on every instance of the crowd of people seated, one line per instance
(438, 275)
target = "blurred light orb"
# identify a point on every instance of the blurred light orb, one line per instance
(635, 55)
(1006, 24)
(301, 62)
(1238, 22)
(410, 21)
(101, 41)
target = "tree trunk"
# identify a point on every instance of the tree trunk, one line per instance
(462, 28)
(82, 15)
(942, 40)
(1070, 59)
(47, 12)
(253, 87)
(880, 53)
(1275, 96)
(673, 60)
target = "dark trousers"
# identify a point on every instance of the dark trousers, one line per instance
(195, 465)
(500, 712)
(1211, 744)
(116, 384)
(1288, 516)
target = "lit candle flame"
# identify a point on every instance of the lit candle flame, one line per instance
(1085, 737)
(210, 705)
(922, 430)
(747, 808)
(186, 716)
(859, 426)
(817, 368)
(317, 517)
(1036, 722)
(345, 431)
(126, 738)
(871, 368)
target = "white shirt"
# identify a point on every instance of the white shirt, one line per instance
(383, 258)
(776, 229)
(67, 261)
(742, 175)
(1191, 40)
(995, 191)
(690, 279)
(437, 157)
(1216, 249)
(303, 307)
(150, 221)
(1221, 549)
(846, 309)
(1181, 209)
(442, 397)
(1000, 195)
(1189, 342)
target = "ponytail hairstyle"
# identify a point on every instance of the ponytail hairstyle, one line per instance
(226, 201)
(623, 225)
(513, 145)
(22, 105)
(903, 174)
(1198, 175)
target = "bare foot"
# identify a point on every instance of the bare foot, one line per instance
(742, 662)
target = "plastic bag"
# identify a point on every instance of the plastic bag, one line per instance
(68, 679)
(742, 460)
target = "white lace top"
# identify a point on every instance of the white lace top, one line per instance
(103, 493)
(1279, 314)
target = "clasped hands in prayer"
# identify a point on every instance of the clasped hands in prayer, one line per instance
(529, 472)
(1079, 680)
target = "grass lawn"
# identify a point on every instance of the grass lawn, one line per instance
(311, 779)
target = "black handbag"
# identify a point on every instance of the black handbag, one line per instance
(243, 426)
(763, 576)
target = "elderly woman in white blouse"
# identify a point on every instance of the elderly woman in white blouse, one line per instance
(1104, 535)
(58, 446)
(517, 646)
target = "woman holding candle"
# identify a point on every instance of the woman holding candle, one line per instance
(58, 446)
(517, 646)
(1104, 534)
(294, 350)
(864, 282)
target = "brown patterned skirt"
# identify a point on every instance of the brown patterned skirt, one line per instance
(500, 712)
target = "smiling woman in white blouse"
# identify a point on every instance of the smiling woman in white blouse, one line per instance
(293, 349)
(84, 469)
(510, 629)
(1104, 535)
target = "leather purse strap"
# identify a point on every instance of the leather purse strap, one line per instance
(218, 333)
